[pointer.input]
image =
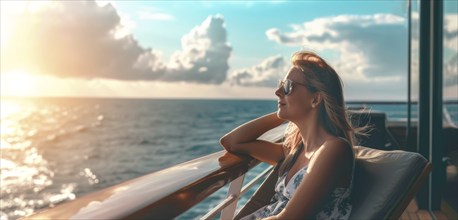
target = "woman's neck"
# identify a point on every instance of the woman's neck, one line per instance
(313, 134)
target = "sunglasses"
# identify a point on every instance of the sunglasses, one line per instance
(287, 85)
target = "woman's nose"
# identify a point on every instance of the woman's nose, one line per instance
(278, 92)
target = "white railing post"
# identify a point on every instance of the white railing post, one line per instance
(233, 196)
(234, 190)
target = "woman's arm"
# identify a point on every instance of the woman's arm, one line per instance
(331, 163)
(243, 139)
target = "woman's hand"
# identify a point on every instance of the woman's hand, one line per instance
(243, 139)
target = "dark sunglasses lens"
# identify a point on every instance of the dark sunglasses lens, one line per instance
(287, 87)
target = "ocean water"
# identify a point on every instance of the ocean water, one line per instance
(56, 149)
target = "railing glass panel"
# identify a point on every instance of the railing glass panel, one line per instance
(450, 100)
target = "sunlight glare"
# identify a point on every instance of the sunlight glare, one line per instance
(8, 127)
(8, 10)
(18, 83)
(11, 12)
(8, 108)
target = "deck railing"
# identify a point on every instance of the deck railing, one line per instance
(166, 193)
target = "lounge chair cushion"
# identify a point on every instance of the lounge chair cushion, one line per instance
(382, 178)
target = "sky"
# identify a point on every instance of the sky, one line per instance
(208, 49)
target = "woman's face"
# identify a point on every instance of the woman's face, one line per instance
(298, 103)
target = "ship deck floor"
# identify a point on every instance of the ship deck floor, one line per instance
(412, 212)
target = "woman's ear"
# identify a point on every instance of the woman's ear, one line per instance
(316, 99)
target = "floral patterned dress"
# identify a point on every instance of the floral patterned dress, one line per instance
(337, 207)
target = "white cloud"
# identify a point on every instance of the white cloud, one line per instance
(265, 74)
(369, 47)
(73, 39)
(204, 55)
(151, 60)
(125, 27)
(87, 39)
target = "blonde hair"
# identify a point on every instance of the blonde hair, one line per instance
(322, 78)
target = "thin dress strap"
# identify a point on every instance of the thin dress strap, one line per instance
(291, 163)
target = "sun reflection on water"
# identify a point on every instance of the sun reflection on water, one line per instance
(25, 174)
(7, 127)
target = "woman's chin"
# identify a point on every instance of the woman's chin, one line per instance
(281, 113)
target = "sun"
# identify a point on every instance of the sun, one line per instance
(18, 83)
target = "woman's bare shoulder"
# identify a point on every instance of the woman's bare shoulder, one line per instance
(337, 147)
(337, 142)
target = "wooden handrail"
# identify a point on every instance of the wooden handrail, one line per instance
(166, 193)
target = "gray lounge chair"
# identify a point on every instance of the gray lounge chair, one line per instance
(385, 183)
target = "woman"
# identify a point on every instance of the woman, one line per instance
(317, 159)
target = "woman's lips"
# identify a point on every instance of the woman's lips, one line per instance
(280, 104)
